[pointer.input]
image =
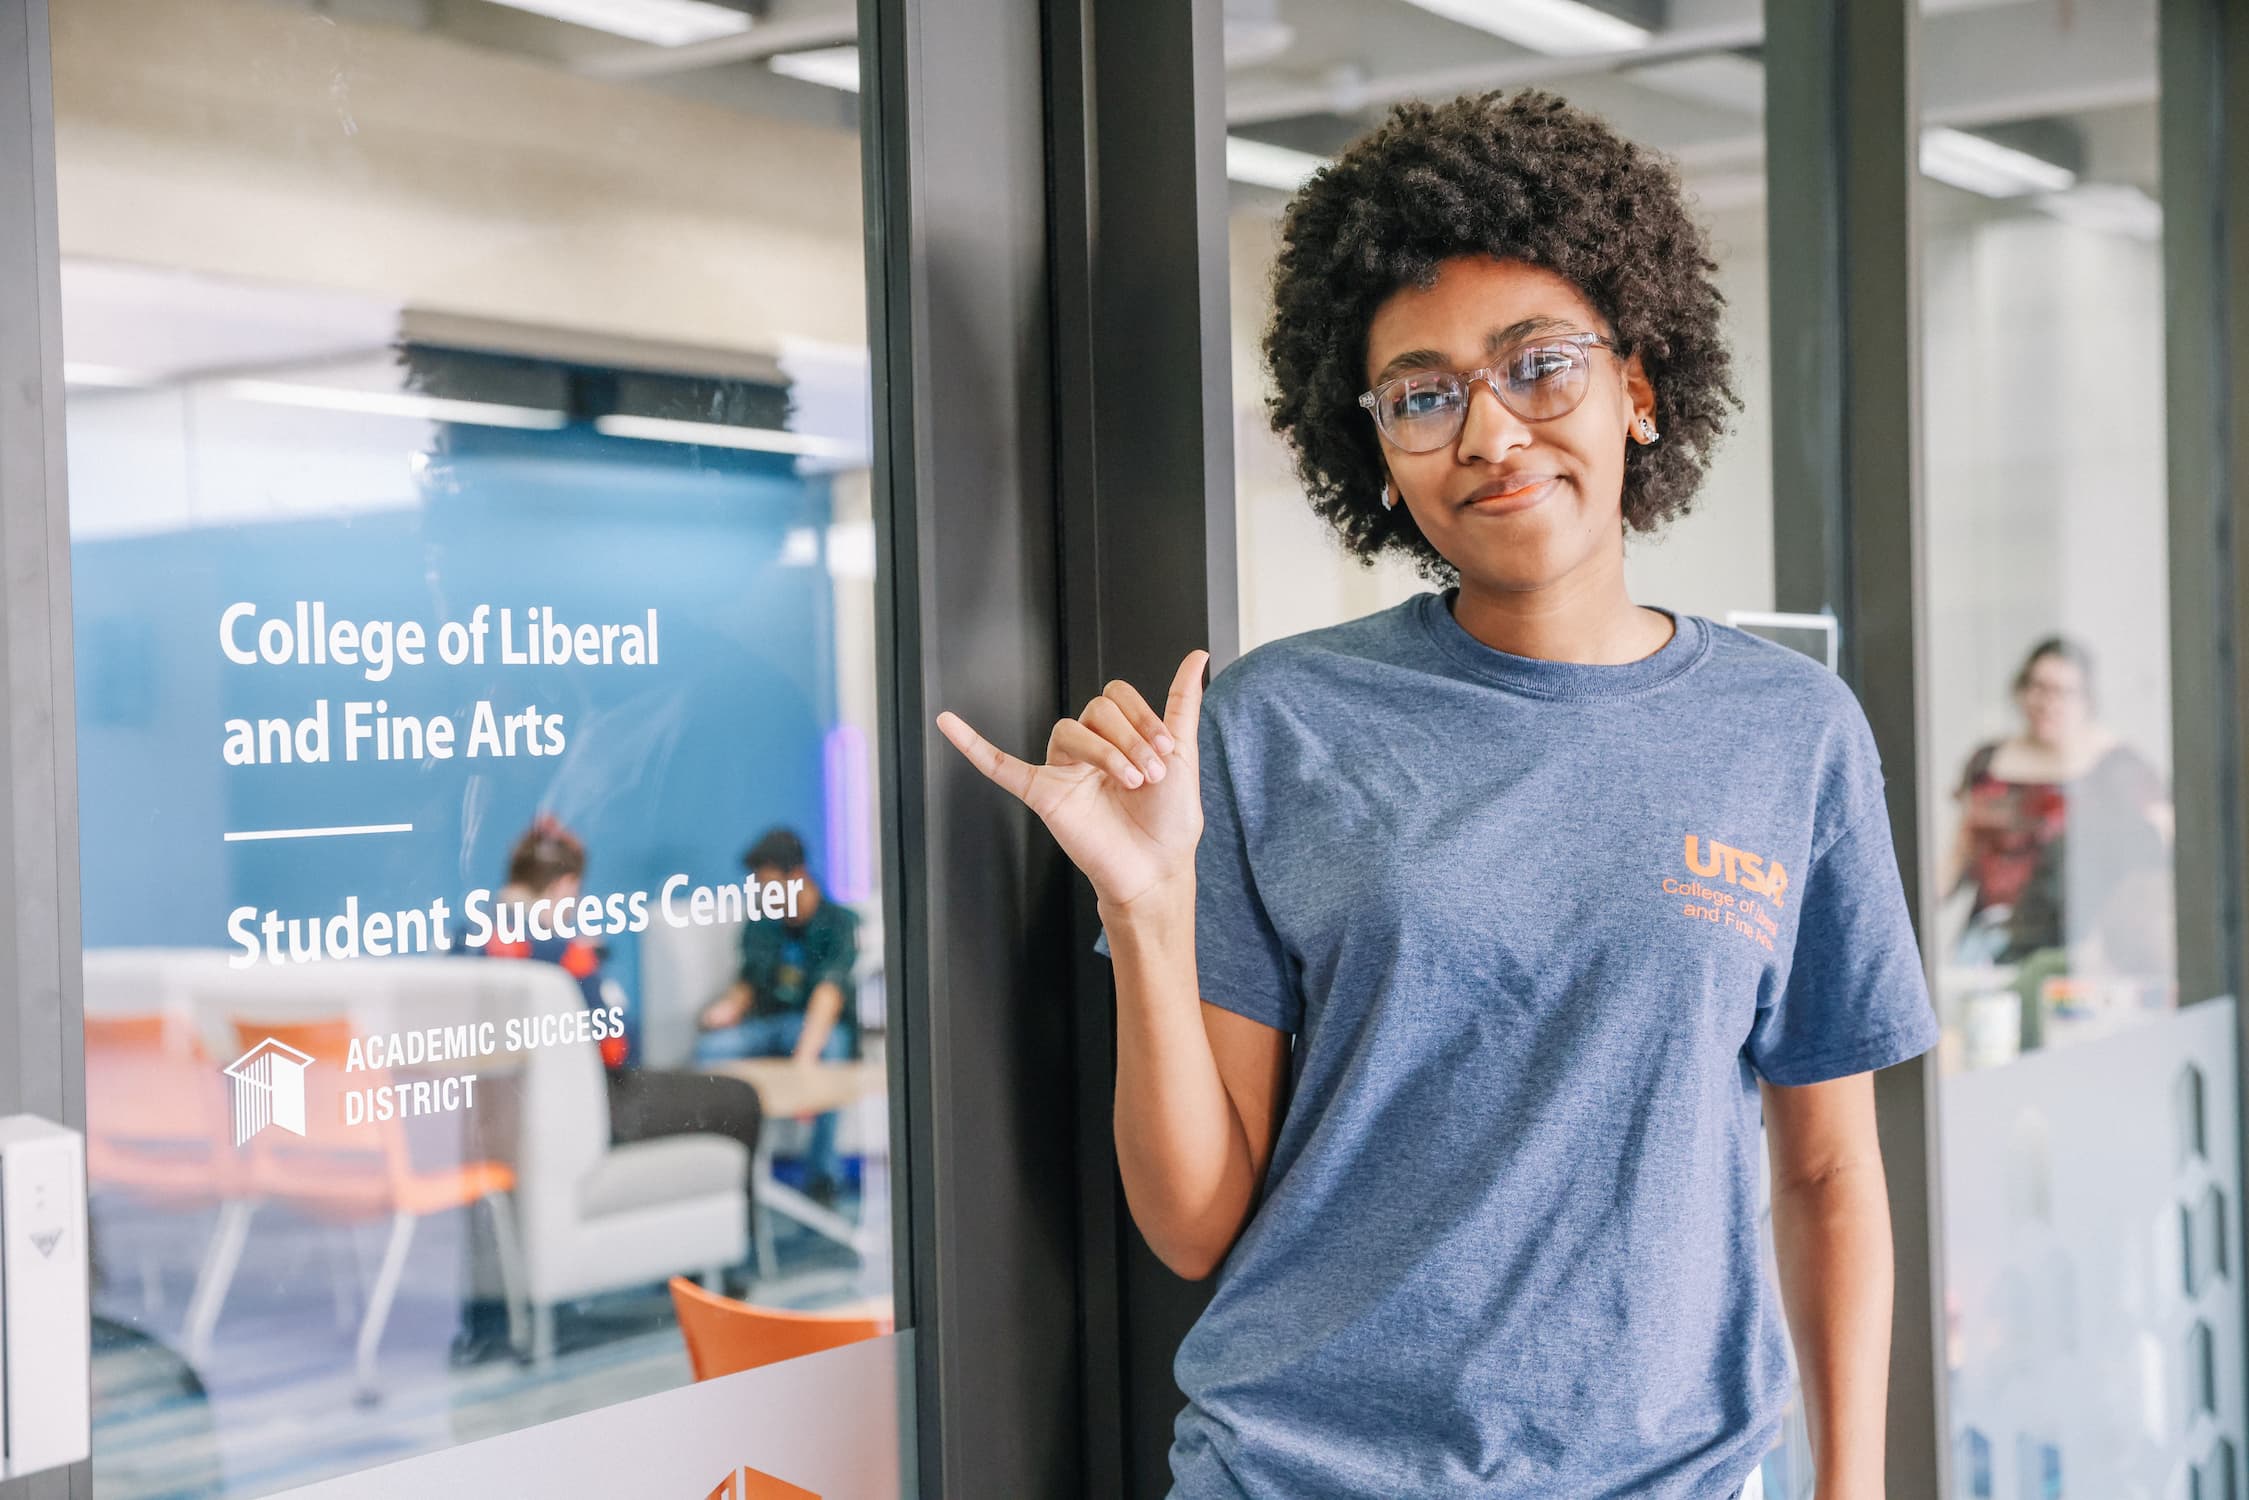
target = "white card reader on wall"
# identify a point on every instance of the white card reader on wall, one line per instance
(44, 1327)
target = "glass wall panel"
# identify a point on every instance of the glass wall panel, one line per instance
(2089, 1122)
(473, 573)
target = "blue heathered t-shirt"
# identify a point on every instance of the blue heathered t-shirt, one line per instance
(1538, 928)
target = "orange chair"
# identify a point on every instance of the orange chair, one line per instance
(351, 1172)
(156, 1126)
(155, 1111)
(724, 1336)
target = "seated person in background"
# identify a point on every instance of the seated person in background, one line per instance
(794, 996)
(549, 862)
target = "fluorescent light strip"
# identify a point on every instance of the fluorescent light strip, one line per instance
(1978, 164)
(830, 67)
(1558, 28)
(721, 435)
(394, 404)
(104, 377)
(352, 831)
(1264, 165)
(666, 23)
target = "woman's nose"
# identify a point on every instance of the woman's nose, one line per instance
(1489, 429)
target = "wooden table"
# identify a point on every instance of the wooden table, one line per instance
(786, 1087)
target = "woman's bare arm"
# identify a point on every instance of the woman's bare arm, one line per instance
(1831, 1238)
(1198, 1090)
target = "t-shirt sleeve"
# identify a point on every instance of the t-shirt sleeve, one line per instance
(1856, 998)
(843, 951)
(1240, 960)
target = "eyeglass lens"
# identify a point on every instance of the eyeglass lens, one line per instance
(1426, 409)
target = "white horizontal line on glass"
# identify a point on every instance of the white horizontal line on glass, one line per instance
(248, 835)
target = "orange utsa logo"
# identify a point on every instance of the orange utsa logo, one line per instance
(754, 1484)
(1738, 867)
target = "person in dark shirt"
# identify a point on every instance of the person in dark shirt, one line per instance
(793, 995)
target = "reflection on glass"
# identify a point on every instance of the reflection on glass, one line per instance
(472, 573)
(2088, 1108)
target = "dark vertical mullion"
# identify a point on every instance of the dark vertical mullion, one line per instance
(1136, 99)
(1842, 137)
(1805, 296)
(1073, 193)
(902, 822)
(2205, 83)
(956, 183)
(2205, 732)
(2204, 72)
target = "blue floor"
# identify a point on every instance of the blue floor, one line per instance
(273, 1406)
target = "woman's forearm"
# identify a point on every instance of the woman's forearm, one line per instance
(1831, 1239)
(1181, 1150)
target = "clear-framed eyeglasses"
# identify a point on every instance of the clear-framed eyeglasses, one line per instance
(1537, 380)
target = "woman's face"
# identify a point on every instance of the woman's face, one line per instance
(2053, 699)
(1514, 505)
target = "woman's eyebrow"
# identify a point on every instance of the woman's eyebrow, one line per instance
(1523, 328)
(1414, 359)
(1494, 342)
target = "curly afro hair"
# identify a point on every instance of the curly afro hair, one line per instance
(1523, 177)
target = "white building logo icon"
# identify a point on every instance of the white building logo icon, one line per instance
(269, 1089)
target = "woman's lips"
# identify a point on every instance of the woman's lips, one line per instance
(1507, 501)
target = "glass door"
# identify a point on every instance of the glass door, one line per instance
(474, 566)
(2088, 1098)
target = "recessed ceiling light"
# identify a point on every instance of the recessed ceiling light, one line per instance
(719, 435)
(1266, 165)
(409, 404)
(666, 23)
(1979, 164)
(1559, 28)
(830, 67)
(77, 376)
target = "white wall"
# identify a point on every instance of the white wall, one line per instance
(237, 139)
(2044, 419)
(1295, 574)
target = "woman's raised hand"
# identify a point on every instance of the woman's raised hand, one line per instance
(1121, 789)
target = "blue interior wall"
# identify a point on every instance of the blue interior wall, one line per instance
(674, 767)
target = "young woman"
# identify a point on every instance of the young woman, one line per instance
(1458, 947)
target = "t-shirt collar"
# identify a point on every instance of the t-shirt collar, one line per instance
(1540, 678)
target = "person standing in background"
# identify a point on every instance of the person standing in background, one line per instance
(794, 995)
(2052, 818)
